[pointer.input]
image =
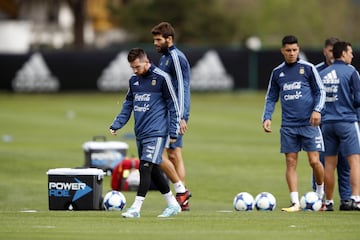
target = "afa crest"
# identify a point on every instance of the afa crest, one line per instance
(153, 82)
(302, 71)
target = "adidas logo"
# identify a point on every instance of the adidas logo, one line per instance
(35, 76)
(116, 76)
(282, 74)
(209, 73)
(331, 78)
(136, 83)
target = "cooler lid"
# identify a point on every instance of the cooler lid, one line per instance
(76, 171)
(109, 145)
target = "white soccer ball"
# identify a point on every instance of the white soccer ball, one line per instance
(265, 201)
(114, 201)
(243, 201)
(310, 201)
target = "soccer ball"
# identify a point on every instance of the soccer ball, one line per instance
(310, 201)
(265, 201)
(114, 201)
(243, 201)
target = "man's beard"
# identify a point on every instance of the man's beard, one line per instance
(163, 49)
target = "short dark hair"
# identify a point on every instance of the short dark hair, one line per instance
(339, 48)
(164, 29)
(136, 53)
(331, 41)
(289, 39)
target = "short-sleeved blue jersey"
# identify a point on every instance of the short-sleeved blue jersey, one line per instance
(299, 87)
(153, 100)
(175, 63)
(342, 86)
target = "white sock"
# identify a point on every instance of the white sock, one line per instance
(294, 196)
(179, 187)
(170, 199)
(320, 190)
(356, 198)
(138, 203)
(327, 202)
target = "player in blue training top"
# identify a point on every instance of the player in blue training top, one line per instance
(174, 62)
(343, 169)
(152, 99)
(302, 96)
(340, 121)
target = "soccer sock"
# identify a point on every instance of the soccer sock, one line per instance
(179, 187)
(320, 190)
(170, 199)
(356, 198)
(138, 203)
(294, 196)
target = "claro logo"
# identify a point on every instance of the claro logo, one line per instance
(62, 189)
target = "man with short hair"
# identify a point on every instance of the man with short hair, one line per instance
(340, 121)
(152, 99)
(174, 62)
(298, 86)
(343, 169)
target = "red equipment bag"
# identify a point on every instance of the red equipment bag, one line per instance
(125, 175)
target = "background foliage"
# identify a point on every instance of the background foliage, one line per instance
(230, 22)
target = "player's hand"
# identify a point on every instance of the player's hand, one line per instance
(172, 140)
(267, 126)
(113, 132)
(183, 126)
(315, 119)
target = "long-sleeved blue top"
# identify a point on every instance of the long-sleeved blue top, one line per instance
(175, 63)
(153, 100)
(342, 86)
(299, 87)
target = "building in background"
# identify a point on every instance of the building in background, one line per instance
(54, 24)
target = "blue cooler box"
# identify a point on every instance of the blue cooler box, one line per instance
(75, 189)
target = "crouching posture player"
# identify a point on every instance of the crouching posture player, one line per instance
(156, 113)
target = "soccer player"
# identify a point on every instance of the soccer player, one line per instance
(152, 99)
(174, 62)
(343, 170)
(340, 122)
(298, 85)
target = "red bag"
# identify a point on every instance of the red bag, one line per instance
(125, 175)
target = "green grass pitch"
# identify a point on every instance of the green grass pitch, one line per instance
(226, 152)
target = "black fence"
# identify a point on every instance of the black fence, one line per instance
(108, 70)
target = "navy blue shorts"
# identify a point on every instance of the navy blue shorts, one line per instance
(150, 149)
(294, 139)
(341, 134)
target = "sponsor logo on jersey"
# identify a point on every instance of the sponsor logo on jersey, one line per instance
(142, 97)
(292, 86)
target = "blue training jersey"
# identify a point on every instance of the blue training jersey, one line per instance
(321, 66)
(299, 87)
(175, 63)
(153, 100)
(342, 86)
